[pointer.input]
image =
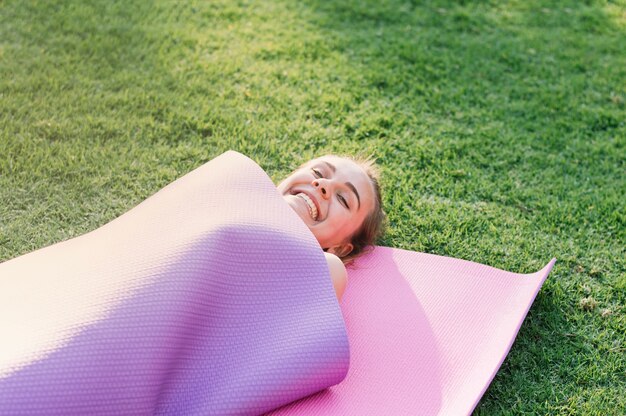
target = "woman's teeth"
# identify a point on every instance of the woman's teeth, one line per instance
(312, 208)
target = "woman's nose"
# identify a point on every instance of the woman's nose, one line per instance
(323, 187)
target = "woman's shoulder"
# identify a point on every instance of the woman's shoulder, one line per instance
(338, 273)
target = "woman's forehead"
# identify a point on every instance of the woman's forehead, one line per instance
(336, 162)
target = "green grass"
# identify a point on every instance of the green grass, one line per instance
(500, 127)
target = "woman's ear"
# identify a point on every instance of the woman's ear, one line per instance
(341, 250)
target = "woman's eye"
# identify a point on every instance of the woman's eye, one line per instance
(344, 201)
(317, 173)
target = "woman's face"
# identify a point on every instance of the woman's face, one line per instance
(333, 196)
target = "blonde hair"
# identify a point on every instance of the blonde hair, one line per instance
(375, 223)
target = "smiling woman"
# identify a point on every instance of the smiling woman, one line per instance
(339, 199)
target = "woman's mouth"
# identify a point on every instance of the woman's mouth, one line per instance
(312, 208)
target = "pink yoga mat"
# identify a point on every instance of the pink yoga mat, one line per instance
(427, 334)
(212, 297)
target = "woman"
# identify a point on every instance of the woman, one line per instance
(339, 199)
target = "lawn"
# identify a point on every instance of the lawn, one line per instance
(499, 126)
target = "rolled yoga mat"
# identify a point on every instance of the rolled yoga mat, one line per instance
(212, 297)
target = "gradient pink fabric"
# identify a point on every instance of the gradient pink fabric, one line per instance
(212, 297)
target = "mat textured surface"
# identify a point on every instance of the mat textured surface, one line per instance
(212, 297)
